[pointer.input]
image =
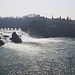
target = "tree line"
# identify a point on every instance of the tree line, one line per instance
(39, 26)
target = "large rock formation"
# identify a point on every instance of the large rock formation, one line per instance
(1, 43)
(15, 38)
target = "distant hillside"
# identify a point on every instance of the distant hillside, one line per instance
(38, 26)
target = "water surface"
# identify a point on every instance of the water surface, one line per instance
(36, 56)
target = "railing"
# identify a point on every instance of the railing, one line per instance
(10, 28)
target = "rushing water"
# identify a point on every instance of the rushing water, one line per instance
(43, 56)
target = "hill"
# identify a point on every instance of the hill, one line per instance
(38, 26)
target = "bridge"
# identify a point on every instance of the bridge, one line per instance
(10, 28)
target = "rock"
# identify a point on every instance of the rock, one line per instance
(5, 36)
(15, 38)
(1, 43)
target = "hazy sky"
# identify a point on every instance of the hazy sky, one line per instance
(58, 8)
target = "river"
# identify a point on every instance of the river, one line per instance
(37, 56)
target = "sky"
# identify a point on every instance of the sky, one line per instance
(47, 8)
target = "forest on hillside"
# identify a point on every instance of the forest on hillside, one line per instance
(38, 26)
